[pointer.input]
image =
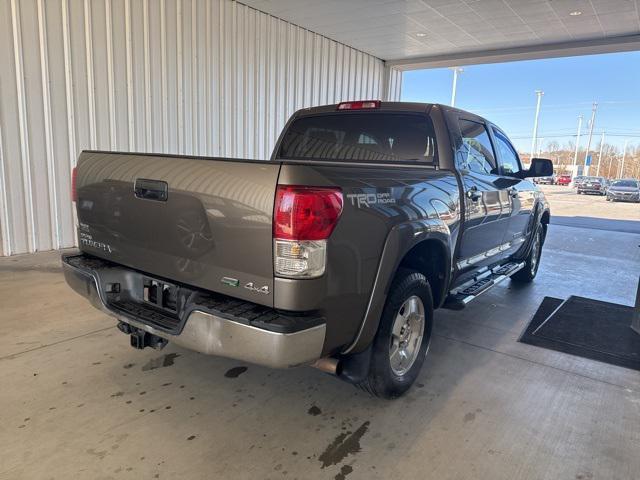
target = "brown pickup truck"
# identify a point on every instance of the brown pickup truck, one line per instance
(335, 253)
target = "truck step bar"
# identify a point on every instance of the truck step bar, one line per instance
(460, 296)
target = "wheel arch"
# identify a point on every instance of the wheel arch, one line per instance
(430, 257)
(425, 248)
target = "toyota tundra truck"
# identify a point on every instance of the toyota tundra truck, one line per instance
(334, 253)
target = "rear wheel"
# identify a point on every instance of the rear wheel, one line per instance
(403, 337)
(530, 269)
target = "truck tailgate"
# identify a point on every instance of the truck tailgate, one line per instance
(200, 221)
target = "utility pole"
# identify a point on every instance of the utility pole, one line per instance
(591, 123)
(600, 155)
(456, 71)
(539, 94)
(624, 154)
(575, 156)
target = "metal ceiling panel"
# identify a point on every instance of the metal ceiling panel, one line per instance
(459, 28)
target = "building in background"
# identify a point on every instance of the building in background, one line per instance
(213, 78)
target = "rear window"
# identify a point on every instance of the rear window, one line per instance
(382, 137)
(625, 183)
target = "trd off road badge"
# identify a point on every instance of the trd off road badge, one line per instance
(367, 200)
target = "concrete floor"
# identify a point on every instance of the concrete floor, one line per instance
(77, 402)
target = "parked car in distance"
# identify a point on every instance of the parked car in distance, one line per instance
(564, 180)
(595, 185)
(624, 190)
(577, 180)
(546, 180)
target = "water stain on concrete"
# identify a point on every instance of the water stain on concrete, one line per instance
(344, 471)
(584, 476)
(343, 445)
(33, 268)
(235, 372)
(98, 453)
(315, 411)
(469, 417)
(128, 365)
(160, 362)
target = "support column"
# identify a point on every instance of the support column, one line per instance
(635, 323)
(391, 84)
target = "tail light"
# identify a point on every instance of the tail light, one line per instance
(74, 186)
(359, 105)
(303, 220)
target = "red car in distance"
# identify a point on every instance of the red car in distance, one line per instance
(563, 180)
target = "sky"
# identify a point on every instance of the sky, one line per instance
(505, 94)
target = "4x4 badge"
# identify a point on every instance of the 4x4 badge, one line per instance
(253, 288)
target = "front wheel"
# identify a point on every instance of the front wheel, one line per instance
(403, 337)
(532, 262)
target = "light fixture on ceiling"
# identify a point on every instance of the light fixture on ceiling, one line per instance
(421, 34)
(575, 13)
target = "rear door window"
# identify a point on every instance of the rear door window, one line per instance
(475, 152)
(509, 161)
(372, 136)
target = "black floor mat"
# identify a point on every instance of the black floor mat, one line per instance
(586, 328)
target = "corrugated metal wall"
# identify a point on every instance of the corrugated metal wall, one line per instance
(174, 76)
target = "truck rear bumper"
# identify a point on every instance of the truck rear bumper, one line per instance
(205, 329)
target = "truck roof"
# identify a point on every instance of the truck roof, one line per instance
(385, 106)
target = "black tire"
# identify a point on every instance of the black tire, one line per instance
(381, 380)
(532, 262)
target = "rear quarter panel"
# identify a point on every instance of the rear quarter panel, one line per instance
(378, 199)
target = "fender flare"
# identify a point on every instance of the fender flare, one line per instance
(541, 208)
(400, 240)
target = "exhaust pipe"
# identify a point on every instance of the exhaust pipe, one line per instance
(327, 365)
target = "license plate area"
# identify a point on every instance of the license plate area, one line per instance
(160, 294)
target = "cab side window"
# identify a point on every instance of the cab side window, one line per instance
(475, 152)
(509, 161)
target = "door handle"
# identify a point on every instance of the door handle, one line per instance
(474, 194)
(513, 192)
(151, 189)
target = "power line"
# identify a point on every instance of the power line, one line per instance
(562, 135)
(553, 106)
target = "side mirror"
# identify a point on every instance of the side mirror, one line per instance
(540, 167)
